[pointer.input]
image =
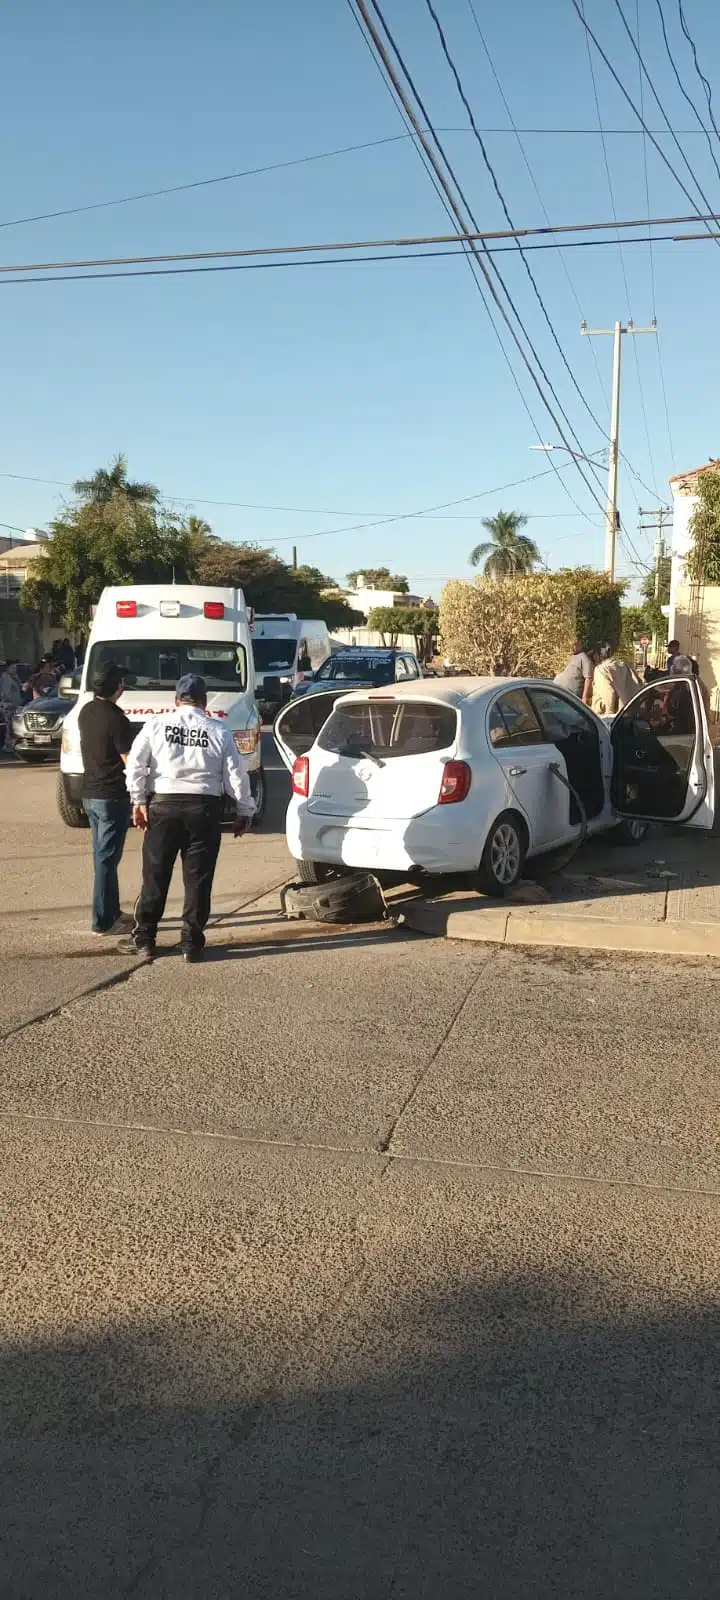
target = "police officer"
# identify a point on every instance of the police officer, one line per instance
(178, 769)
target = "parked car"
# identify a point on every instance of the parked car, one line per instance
(473, 775)
(360, 667)
(38, 726)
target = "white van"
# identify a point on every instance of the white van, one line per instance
(155, 633)
(288, 647)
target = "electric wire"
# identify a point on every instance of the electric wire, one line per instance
(698, 69)
(684, 92)
(531, 175)
(452, 194)
(494, 179)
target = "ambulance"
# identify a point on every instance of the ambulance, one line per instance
(289, 646)
(155, 633)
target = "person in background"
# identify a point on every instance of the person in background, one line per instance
(106, 735)
(614, 683)
(577, 676)
(65, 656)
(10, 700)
(673, 651)
(44, 681)
(180, 766)
(685, 667)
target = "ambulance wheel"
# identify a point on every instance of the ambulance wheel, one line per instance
(73, 816)
(259, 794)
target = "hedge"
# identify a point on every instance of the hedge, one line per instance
(526, 627)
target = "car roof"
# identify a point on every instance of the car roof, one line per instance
(453, 691)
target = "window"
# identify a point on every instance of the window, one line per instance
(318, 652)
(273, 655)
(412, 667)
(561, 718)
(389, 728)
(373, 667)
(401, 671)
(303, 663)
(158, 663)
(512, 721)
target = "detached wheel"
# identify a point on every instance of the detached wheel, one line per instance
(629, 831)
(258, 788)
(319, 872)
(73, 816)
(503, 857)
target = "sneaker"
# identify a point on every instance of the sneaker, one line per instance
(130, 947)
(193, 953)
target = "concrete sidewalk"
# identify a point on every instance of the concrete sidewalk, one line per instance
(661, 897)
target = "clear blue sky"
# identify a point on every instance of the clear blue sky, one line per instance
(361, 389)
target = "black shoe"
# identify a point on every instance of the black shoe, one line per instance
(193, 953)
(130, 947)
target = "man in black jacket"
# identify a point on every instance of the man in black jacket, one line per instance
(105, 739)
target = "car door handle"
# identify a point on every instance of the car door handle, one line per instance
(517, 772)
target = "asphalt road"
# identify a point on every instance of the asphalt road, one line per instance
(350, 1266)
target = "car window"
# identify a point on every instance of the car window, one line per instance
(512, 721)
(371, 667)
(387, 728)
(401, 670)
(303, 661)
(412, 667)
(561, 718)
(318, 652)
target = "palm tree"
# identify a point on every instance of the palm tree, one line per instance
(508, 551)
(111, 482)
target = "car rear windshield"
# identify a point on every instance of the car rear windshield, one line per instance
(389, 728)
(273, 655)
(376, 669)
(158, 663)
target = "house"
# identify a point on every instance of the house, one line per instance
(694, 609)
(24, 636)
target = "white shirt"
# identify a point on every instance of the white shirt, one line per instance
(187, 752)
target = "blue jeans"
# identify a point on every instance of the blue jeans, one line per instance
(109, 823)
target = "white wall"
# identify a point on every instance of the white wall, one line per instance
(368, 636)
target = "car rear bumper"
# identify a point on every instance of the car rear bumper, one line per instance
(426, 842)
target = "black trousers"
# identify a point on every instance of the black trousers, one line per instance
(188, 826)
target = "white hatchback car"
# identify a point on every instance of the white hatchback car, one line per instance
(475, 774)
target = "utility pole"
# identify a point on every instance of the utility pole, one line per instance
(294, 558)
(656, 521)
(611, 516)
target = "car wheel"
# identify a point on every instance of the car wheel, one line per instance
(258, 788)
(629, 831)
(73, 816)
(319, 871)
(504, 855)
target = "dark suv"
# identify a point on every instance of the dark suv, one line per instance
(360, 667)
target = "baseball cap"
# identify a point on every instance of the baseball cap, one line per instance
(191, 687)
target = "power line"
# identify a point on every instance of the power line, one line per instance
(427, 155)
(661, 108)
(683, 90)
(618, 80)
(533, 181)
(698, 69)
(661, 369)
(463, 96)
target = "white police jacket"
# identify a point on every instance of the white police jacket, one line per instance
(187, 752)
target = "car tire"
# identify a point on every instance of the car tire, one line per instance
(630, 831)
(319, 872)
(258, 789)
(73, 816)
(503, 857)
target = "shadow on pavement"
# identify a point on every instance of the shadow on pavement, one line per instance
(503, 1440)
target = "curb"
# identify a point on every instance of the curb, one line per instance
(493, 925)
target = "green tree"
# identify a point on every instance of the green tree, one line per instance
(379, 578)
(112, 482)
(421, 621)
(508, 552)
(703, 562)
(102, 542)
(268, 583)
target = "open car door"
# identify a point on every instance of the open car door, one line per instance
(662, 756)
(297, 726)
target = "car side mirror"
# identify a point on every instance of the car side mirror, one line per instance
(69, 685)
(272, 689)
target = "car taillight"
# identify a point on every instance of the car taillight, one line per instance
(247, 741)
(301, 777)
(455, 785)
(126, 608)
(214, 610)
